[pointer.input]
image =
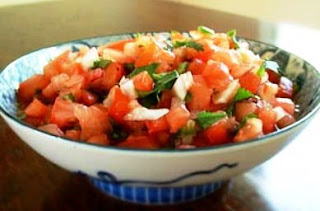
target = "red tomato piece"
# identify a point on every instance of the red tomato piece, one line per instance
(143, 81)
(196, 67)
(119, 45)
(285, 88)
(28, 88)
(52, 129)
(286, 103)
(157, 125)
(101, 139)
(88, 98)
(269, 118)
(73, 134)
(118, 105)
(250, 81)
(204, 55)
(93, 120)
(112, 75)
(286, 121)
(219, 133)
(252, 129)
(177, 118)
(244, 108)
(63, 113)
(200, 95)
(162, 138)
(36, 109)
(55, 67)
(142, 142)
(165, 99)
(273, 76)
(217, 75)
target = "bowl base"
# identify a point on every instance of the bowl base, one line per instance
(156, 195)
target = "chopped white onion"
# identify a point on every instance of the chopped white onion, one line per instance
(142, 114)
(182, 85)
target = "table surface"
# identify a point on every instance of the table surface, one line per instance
(288, 181)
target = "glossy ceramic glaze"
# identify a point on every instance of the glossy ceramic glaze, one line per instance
(163, 176)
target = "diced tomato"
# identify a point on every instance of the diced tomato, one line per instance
(285, 103)
(28, 88)
(177, 118)
(146, 55)
(217, 75)
(250, 81)
(135, 127)
(162, 138)
(219, 133)
(218, 107)
(230, 58)
(119, 104)
(52, 129)
(36, 109)
(35, 121)
(112, 75)
(142, 142)
(200, 95)
(196, 67)
(143, 81)
(165, 99)
(93, 120)
(58, 82)
(88, 98)
(55, 67)
(76, 80)
(252, 129)
(268, 117)
(119, 45)
(273, 76)
(63, 113)
(158, 125)
(285, 121)
(101, 139)
(244, 108)
(95, 74)
(285, 88)
(204, 55)
(73, 134)
(268, 91)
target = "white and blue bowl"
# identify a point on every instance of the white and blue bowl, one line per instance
(156, 177)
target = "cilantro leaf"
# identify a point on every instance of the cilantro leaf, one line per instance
(182, 67)
(21, 115)
(205, 30)
(102, 63)
(189, 130)
(232, 34)
(206, 119)
(151, 69)
(189, 44)
(262, 70)
(242, 94)
(166, 81)
(245, 119)
(70, 97)
(188, 97)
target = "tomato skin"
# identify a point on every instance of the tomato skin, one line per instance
(157, 125)
(63, 113)
(36, 109)
(196, 67)
(119, 45)
(143, 81)
(55, 67)
(177, 118)
(252, 129)
(286, 121)
(204, 55)
(141, 142)
(218, 133)
(268, 117)
(200, 95)
(119, 104)
(244, 108)
(286, 103)
(93, 120)
(285, 88)
(88, 98)
(217, 75)
(73, 134)
(165, 99)
(101, 139)
(250, 81)
(28, 88)
(52, 129)
(273, 77)
(162, 138)
(112, 75)
(268, 91)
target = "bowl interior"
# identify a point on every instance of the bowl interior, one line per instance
(305, 76)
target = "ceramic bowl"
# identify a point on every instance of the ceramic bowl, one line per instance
(161, 176)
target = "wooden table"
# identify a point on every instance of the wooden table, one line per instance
(288, 181)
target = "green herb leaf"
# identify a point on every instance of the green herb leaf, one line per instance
(244, 119)
(21, 115)
(151, 69)
(150, 100)
(70, 97)
(188, 97)
(129, 67)
(189, 130)
(262, 70)
(232, 34)
(206, 119)
(189, 44)
(118, 133)
(205, 30)
(166, 81)
(242, 94)
(182, 67)
(102, 63)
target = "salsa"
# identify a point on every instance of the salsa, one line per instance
(195, 89)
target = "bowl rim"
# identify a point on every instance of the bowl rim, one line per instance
(308, 116)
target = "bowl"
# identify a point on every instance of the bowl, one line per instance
(157, 177)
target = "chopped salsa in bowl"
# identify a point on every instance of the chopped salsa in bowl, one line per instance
(194, 89)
